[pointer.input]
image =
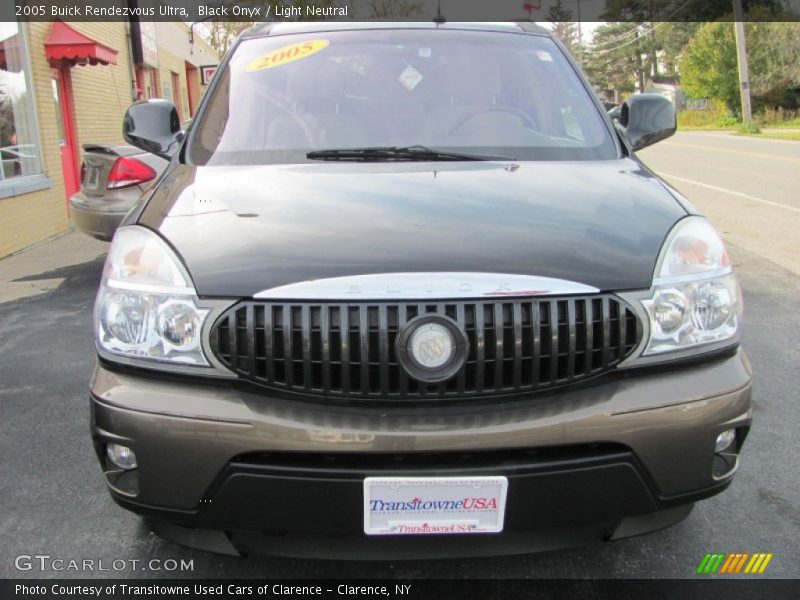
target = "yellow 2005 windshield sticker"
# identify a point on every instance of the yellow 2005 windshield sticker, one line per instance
(287, 54)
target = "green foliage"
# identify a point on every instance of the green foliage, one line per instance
(709, 67)
(748, 128)
(625, 55)
(614, 61)
(703, 119)
(671, 38)
(775, 62)
(718, 117)
(222, 34)
(390, 9)
(778, 117)
(682, 10)
(7, 128)
(727, 121)
(564, 27)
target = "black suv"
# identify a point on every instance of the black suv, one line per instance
(405, 290)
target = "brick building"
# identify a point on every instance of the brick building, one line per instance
(66, 84)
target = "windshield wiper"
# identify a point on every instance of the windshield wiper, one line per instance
(395, 153)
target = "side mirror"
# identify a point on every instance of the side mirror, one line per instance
(614, 112)
(646, 119)
(153, 126)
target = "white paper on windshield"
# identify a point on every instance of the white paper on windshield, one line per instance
(410, 78)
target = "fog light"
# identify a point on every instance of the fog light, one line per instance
(121, 456)
(724, 440)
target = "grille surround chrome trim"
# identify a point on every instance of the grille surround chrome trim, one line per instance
(433, 286)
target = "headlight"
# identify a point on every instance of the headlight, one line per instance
(147, 306)
(696, 299)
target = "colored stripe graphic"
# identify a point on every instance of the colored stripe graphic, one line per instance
(732, 558)
(730, 563)
(758, 564)
(741, 562)
(765, 563)
(718, 563)
(704, 564)
(735, 562)
(711, 563)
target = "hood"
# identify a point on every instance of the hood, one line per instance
(245, 229)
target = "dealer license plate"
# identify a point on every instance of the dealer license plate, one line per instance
(434, 505)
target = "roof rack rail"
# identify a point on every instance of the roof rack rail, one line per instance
(531, 27)
(258, 29)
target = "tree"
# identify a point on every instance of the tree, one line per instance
(671, 40)
(7, 128)
(221, 34)
(775, 63)
(709, 67)
(684, 10)
(614, 62)
(393, 9)
(564, 28)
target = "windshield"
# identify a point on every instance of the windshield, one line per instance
(469, 92)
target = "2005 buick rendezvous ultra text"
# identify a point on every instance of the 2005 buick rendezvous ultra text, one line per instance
(405, 290)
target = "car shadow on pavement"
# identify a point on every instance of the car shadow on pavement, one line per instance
(73, 275)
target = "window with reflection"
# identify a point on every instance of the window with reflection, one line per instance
(19, 146)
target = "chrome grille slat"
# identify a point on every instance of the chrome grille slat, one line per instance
(606, 321)
(536, 333)
(348, 350)
(553, 316)
(589, 320)
(480, 348)
(363, 330)
(402, 319)
(286, 328)
(460, 376)
(517, 321)
(571, 341)
(325, 346)
(344, 334)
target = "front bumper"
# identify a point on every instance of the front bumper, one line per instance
(624, 456)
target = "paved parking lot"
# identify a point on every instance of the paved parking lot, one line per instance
(54, 502)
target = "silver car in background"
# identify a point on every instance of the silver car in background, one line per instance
(113, 176)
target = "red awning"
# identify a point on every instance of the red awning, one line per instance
(64, 43)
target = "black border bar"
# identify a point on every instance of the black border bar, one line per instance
(248, 589)
(637, 11)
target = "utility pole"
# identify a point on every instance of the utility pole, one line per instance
(653, 48)
(741, 54)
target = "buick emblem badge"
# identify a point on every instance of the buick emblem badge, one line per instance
(432, 348)
(432, 345)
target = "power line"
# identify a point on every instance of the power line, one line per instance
(623, 36)
(636, 29)
(615, 48)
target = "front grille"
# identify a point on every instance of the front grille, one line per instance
(348, 349)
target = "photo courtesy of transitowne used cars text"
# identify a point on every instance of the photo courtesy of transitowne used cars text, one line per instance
(404, 290)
